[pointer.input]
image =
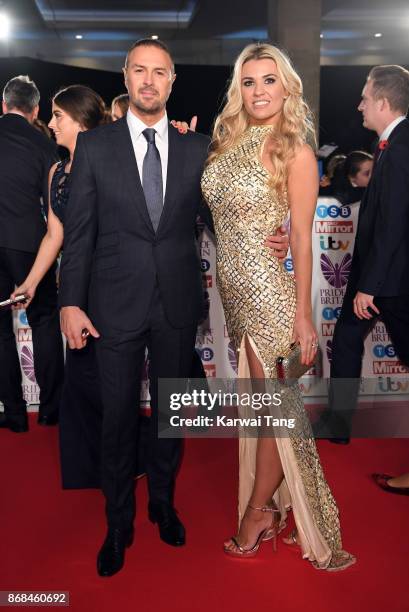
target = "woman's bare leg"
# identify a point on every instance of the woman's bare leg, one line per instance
(269, 472)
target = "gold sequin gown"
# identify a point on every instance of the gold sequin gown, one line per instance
(259, 301)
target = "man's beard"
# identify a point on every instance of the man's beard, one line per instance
(148, 110)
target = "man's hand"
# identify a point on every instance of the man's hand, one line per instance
(279, 243)
(183, 127)
(362, 302)
(75, 324)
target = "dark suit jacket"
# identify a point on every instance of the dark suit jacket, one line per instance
(380, 263)
(112, 257)
(26, 156)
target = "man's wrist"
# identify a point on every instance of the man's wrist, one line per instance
(70, 308)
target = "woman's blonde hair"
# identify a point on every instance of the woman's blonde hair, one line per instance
(295, 127)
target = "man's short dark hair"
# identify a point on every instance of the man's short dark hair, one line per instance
(21, 93)
(391, 82)
(150, 42)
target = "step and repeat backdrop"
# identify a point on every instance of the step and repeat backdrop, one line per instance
(334, 230)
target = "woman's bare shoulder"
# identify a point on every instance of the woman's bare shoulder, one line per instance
(52, 170)
(304, 153)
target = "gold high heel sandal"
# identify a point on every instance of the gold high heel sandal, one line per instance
(269, 533)
(291, 539)
(276, 529)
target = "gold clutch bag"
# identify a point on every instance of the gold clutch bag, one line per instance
(289, 366)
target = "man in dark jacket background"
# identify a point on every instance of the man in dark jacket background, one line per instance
(26, 157)
(378, 284)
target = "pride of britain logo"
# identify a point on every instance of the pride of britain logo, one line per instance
(231, 353)
(336, 274)
(329, 350)
(27, 363)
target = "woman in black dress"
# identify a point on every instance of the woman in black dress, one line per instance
(75, 109)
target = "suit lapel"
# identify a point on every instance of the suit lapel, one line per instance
(381, 157)
(392, 137)
(176, 160)
(125, 155)
(378, 165)
(367, 194)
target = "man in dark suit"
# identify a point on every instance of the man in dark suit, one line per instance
(130, 262)
(26, 156)
(379, 277)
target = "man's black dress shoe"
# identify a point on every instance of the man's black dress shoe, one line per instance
(111, 557)
(382, 481)
(171, 529)
(17, 423)
(48, 419)
(339, 440)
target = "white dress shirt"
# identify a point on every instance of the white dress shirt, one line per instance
(388, 130)
(140, 144)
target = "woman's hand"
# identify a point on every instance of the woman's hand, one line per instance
(183, 127)
(305, 334)
(24, 289)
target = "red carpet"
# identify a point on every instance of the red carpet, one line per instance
(50, 537)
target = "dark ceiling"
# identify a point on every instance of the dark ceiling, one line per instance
(97, 33)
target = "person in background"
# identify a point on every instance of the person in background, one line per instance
(26, 156)
(350, 177)
(75, 109)
(42, 127)
(332, 163)
(378, 280)
(119, 106)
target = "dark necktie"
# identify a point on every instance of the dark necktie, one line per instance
(152, 178)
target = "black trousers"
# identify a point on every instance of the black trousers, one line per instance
(347, 351)
(120, 358)
(43, 318)
(81, 422)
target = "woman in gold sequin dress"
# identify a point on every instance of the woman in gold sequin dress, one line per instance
(260, 169)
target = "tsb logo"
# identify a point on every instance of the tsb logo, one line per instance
(382, 350)
(205, 265)
(329, 314)
(288, 265)
(23, 317)
(206, 354)
(333, 211)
